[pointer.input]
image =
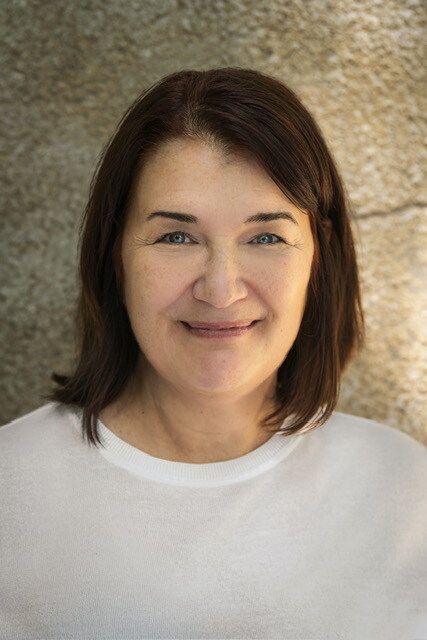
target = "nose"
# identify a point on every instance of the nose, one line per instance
(221, 280)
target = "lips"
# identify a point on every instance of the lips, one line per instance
(220, 325)
(219, 333)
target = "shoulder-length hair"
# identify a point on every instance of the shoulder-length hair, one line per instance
(238, 109)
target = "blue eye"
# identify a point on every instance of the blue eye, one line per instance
(182, 233)
(263, 235)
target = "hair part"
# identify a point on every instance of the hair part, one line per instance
(238, 110)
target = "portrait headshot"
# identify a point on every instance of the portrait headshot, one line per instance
(213, 346)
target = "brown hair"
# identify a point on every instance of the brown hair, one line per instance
(237, 109)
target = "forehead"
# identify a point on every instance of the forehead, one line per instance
(200, 178)
(195, 165)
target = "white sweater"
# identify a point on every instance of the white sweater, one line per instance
(319, 536)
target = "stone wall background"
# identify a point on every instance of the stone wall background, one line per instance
(70, 69)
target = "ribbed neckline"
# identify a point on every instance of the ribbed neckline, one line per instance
(120, 453)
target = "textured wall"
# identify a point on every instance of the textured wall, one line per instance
(70, 69)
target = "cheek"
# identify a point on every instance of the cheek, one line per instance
(153, 287)
(149, 289)
(287, 298)
(287, 288)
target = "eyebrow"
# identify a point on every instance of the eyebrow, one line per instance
(257, 217)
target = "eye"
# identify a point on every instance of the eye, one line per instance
(263, 235)
(182, 233)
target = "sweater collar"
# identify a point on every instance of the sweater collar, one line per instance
(120, 453)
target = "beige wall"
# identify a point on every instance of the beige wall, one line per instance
(70, 69)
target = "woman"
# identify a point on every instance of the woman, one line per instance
(191, 478)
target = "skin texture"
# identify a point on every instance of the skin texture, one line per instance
(192, 399)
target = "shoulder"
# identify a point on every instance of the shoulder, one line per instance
(370, 433)
(40, 432)
(374, 448)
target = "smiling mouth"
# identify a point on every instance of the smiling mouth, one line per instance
(218, 333)
(245, 326)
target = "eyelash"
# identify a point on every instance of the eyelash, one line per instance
(171, 233)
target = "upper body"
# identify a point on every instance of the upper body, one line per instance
(319, 535)
(192, 523)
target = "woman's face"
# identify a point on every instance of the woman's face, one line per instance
(217, 269)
